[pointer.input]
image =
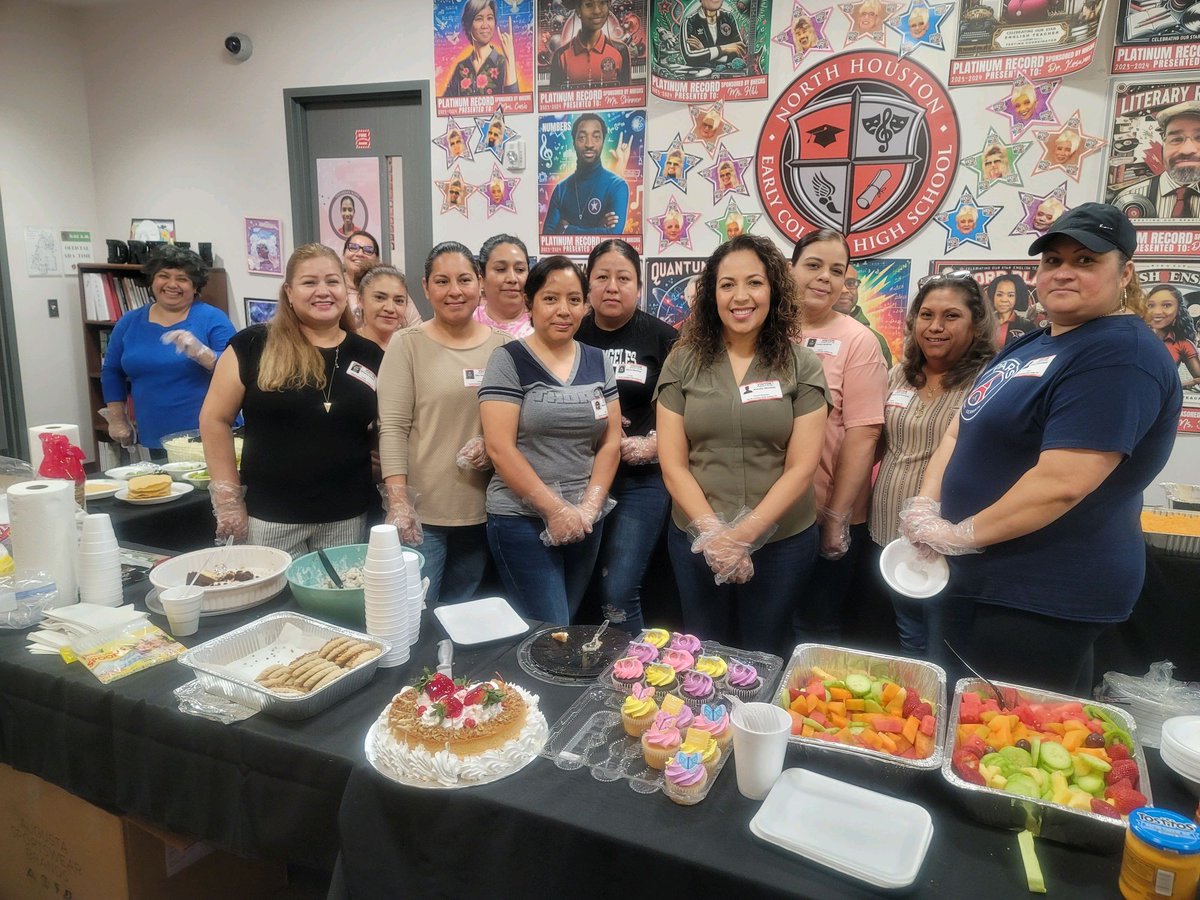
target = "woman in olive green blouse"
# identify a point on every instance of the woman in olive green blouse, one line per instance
(741, 418)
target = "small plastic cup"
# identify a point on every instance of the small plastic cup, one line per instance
(760, 739)
(182, 606)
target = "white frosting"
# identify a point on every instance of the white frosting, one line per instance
(406, 763)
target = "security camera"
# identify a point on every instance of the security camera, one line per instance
(239, 46)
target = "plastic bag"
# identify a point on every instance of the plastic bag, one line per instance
(61, 458)
(12, 471)
(1152, 698)
(24, 600)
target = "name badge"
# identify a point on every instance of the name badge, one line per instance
(362, 373)
(1035, 368)
(760, 390)
(632, 372)
(599, 407)
(472, 378)
(900, 398)
(827, 346)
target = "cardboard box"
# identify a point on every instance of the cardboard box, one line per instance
(55, 845)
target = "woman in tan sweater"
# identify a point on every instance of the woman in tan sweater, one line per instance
(428, 409)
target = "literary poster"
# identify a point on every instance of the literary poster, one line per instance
(1157, 36)
(1172, 289)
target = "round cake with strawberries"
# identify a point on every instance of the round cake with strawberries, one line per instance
(450, 733)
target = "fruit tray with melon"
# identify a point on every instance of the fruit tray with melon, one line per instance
(884, 709)
(1066, 768)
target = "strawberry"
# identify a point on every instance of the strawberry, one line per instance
(1116, 750)
(421, 710)
(469, 723)
(1125, 799)
(1123, 770)
(922, 710)
(966, 764)
(475, 695)
(911, 699)
(453, 707)
(1104, 809)
(439, 687)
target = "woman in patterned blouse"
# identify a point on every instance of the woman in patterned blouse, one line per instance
(484, 70)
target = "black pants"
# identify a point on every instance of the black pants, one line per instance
(1016, 646)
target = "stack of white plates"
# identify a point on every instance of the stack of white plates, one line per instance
(1181, 749)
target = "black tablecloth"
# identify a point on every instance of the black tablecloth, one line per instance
(177, 527)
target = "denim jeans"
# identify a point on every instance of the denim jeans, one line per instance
(756, 615)
(543, 583)
(818, 617)
(455, 559)
(631, 533)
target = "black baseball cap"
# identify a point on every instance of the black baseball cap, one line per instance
(1098, 226)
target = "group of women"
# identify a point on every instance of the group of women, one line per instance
(540, 419)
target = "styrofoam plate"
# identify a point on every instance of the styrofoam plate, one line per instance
(99, 488)
(907, 573)
(177, 490)
(864, 834)
(480, 621)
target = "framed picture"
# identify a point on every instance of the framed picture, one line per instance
(259, 312)
(263, 241)
(152, 230)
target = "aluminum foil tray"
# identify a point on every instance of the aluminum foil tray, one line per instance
(1052, 821)
(209, 659)
(928, 679)
(1175, 544)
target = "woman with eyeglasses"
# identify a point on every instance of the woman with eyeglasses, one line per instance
(1035, 493)
(949, 336)
(360, 252)
(552, 427)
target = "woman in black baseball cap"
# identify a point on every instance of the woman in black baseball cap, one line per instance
(1036, 491)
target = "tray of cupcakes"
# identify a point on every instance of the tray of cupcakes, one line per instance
(696, 670)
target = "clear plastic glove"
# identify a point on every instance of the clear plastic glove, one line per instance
(595, 504)
(473, 455)
(922, 523)
(119, 427)
(565, 524)
(229, 506)
(402, 512)
(191, 346)
(835, 533)
(640, 451)
(726, 549)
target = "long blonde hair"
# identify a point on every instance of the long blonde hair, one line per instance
(1134, 298)
(289, 361)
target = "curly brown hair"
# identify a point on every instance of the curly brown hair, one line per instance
(703, 330)
(983, 341)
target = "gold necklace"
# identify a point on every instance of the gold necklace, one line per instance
(329, 381)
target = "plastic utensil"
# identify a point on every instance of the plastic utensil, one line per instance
(1001, 697)
(594, 644)
(329, 569)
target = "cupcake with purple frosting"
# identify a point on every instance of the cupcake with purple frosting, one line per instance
(696, 689)
(685, 778)
(640, 650)
(742, 680)
(688, 642)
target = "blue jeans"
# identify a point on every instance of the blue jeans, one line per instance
(818, 618)
(631, 533)
(543, 583)
(756, 615)
(455, 559)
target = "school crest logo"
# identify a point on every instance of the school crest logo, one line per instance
(866, 144)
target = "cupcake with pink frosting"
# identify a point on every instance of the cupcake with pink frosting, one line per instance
(647, 653)
(626, 672)
(684, 719)
(685, 778)
(696, 689)
(742, 680)
(714, 719)
(661, 740)
(676, 659)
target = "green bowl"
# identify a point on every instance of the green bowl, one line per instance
(306, 574)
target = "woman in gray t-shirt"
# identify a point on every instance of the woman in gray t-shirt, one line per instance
(552, 425)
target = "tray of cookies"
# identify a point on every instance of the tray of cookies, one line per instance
(286, 665)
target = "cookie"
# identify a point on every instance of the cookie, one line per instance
(268, 672)
(332, 646)
(318, 673)
(331, 675)
(365, 656)
(350, 652)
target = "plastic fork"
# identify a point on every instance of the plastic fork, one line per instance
(594, 644)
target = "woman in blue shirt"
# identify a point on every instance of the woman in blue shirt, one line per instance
(163, 353)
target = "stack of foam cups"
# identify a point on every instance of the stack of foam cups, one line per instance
(99, 562)
(414, 595)
(385, 590)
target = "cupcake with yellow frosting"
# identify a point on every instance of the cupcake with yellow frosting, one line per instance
(712, 666)
(638, 710)
(658, 637)
(660, 741)
(661, 677)
(685, 778)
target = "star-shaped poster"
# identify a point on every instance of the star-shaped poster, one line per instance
(805, 33)
(493, 134)
(733, 222)
(674, 226)
(456, 142)
(996, 163)
(1028, 104)
(966, 222)
(1039, 213)
(709, 124)
(727, 174)
(455, 192)
(1066, 147)
(499, 192)
(674, 164)
(867, 19)
(920, 25)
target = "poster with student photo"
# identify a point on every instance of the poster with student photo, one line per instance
(1156, 36)
(1009, 285)
(347, 198)
(878, 290)
(591, 54)
(590, 179)
(704, 50)
(671, 287)
(1172, 290)
(483, 56)
(264, 246)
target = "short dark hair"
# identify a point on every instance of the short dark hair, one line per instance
(983, 342)
(589, 117)
(358, 232)
(449, 247)
(168, 256)
(616, 245)
(819, 237)
(1019, 286)
(471, 9)
(499, 240)
(545, 267)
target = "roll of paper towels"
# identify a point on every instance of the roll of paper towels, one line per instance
(35, 445)
(44, 538)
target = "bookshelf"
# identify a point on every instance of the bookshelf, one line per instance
(123, 289)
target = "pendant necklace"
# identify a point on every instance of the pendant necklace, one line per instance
(329, 382)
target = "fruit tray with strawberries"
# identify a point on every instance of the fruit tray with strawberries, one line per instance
(1065, 768)
(869, 706)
